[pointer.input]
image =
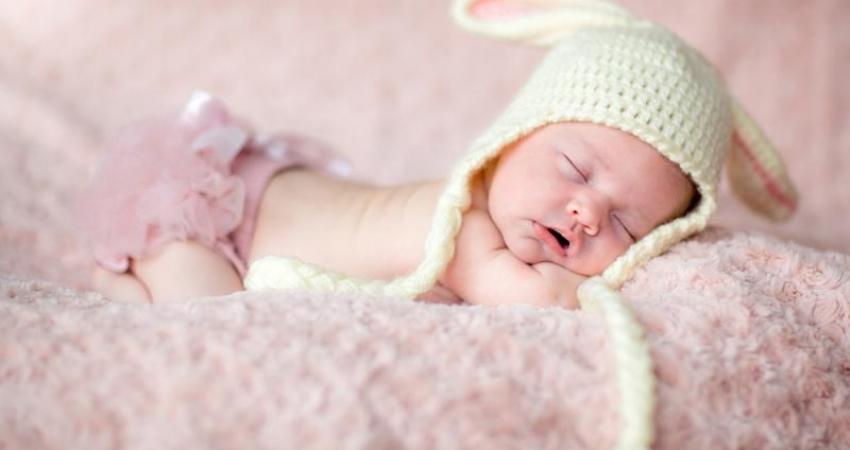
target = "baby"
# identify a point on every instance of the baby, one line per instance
(609, 155)
(559, 205)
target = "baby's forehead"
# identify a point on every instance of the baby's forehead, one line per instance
(607, 143)
(615, 151)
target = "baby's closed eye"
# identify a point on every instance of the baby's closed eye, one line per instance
(573, 168)
(622, 225)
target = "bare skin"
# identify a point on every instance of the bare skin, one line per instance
(596, 188)
(344, 226)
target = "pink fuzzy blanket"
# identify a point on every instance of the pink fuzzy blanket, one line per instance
(748, 333)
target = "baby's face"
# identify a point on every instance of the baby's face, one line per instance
(579, 194)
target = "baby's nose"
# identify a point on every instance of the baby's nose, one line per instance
(587, 213)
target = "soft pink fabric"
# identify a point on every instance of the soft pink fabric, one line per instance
(748, 333)
(153, 186)
(199, 176)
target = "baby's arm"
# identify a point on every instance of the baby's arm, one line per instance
(485, 272)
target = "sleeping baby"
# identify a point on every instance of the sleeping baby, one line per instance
(609, 154)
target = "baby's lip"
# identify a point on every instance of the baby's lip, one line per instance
(573, 238)
(568, 234)
(544, 235)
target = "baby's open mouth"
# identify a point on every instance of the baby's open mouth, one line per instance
(562, 241)
(552, 239)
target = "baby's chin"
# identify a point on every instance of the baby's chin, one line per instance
(532, 251)
(528, 250)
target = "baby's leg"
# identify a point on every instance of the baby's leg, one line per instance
(120, 287)
(186, 269)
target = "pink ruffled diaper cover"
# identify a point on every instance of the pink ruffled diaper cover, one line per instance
(198, 177)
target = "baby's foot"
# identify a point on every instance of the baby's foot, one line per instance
(119, 287)
(181, 270)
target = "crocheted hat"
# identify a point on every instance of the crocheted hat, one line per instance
(609, 68)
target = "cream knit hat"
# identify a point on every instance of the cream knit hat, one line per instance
(606, 67)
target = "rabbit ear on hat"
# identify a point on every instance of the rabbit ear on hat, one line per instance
(541, 22)
(756, 172)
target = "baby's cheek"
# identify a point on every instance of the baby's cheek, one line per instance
(616, 248)
(524, 249)
(599, 256)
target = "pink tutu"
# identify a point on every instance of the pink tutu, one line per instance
(200, 177)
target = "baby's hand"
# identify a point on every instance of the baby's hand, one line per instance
(561, 283)
(484, 272)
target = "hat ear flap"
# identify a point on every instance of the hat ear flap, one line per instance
(540, 22)
(756, 172)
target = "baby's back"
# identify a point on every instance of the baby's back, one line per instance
(344, 226)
